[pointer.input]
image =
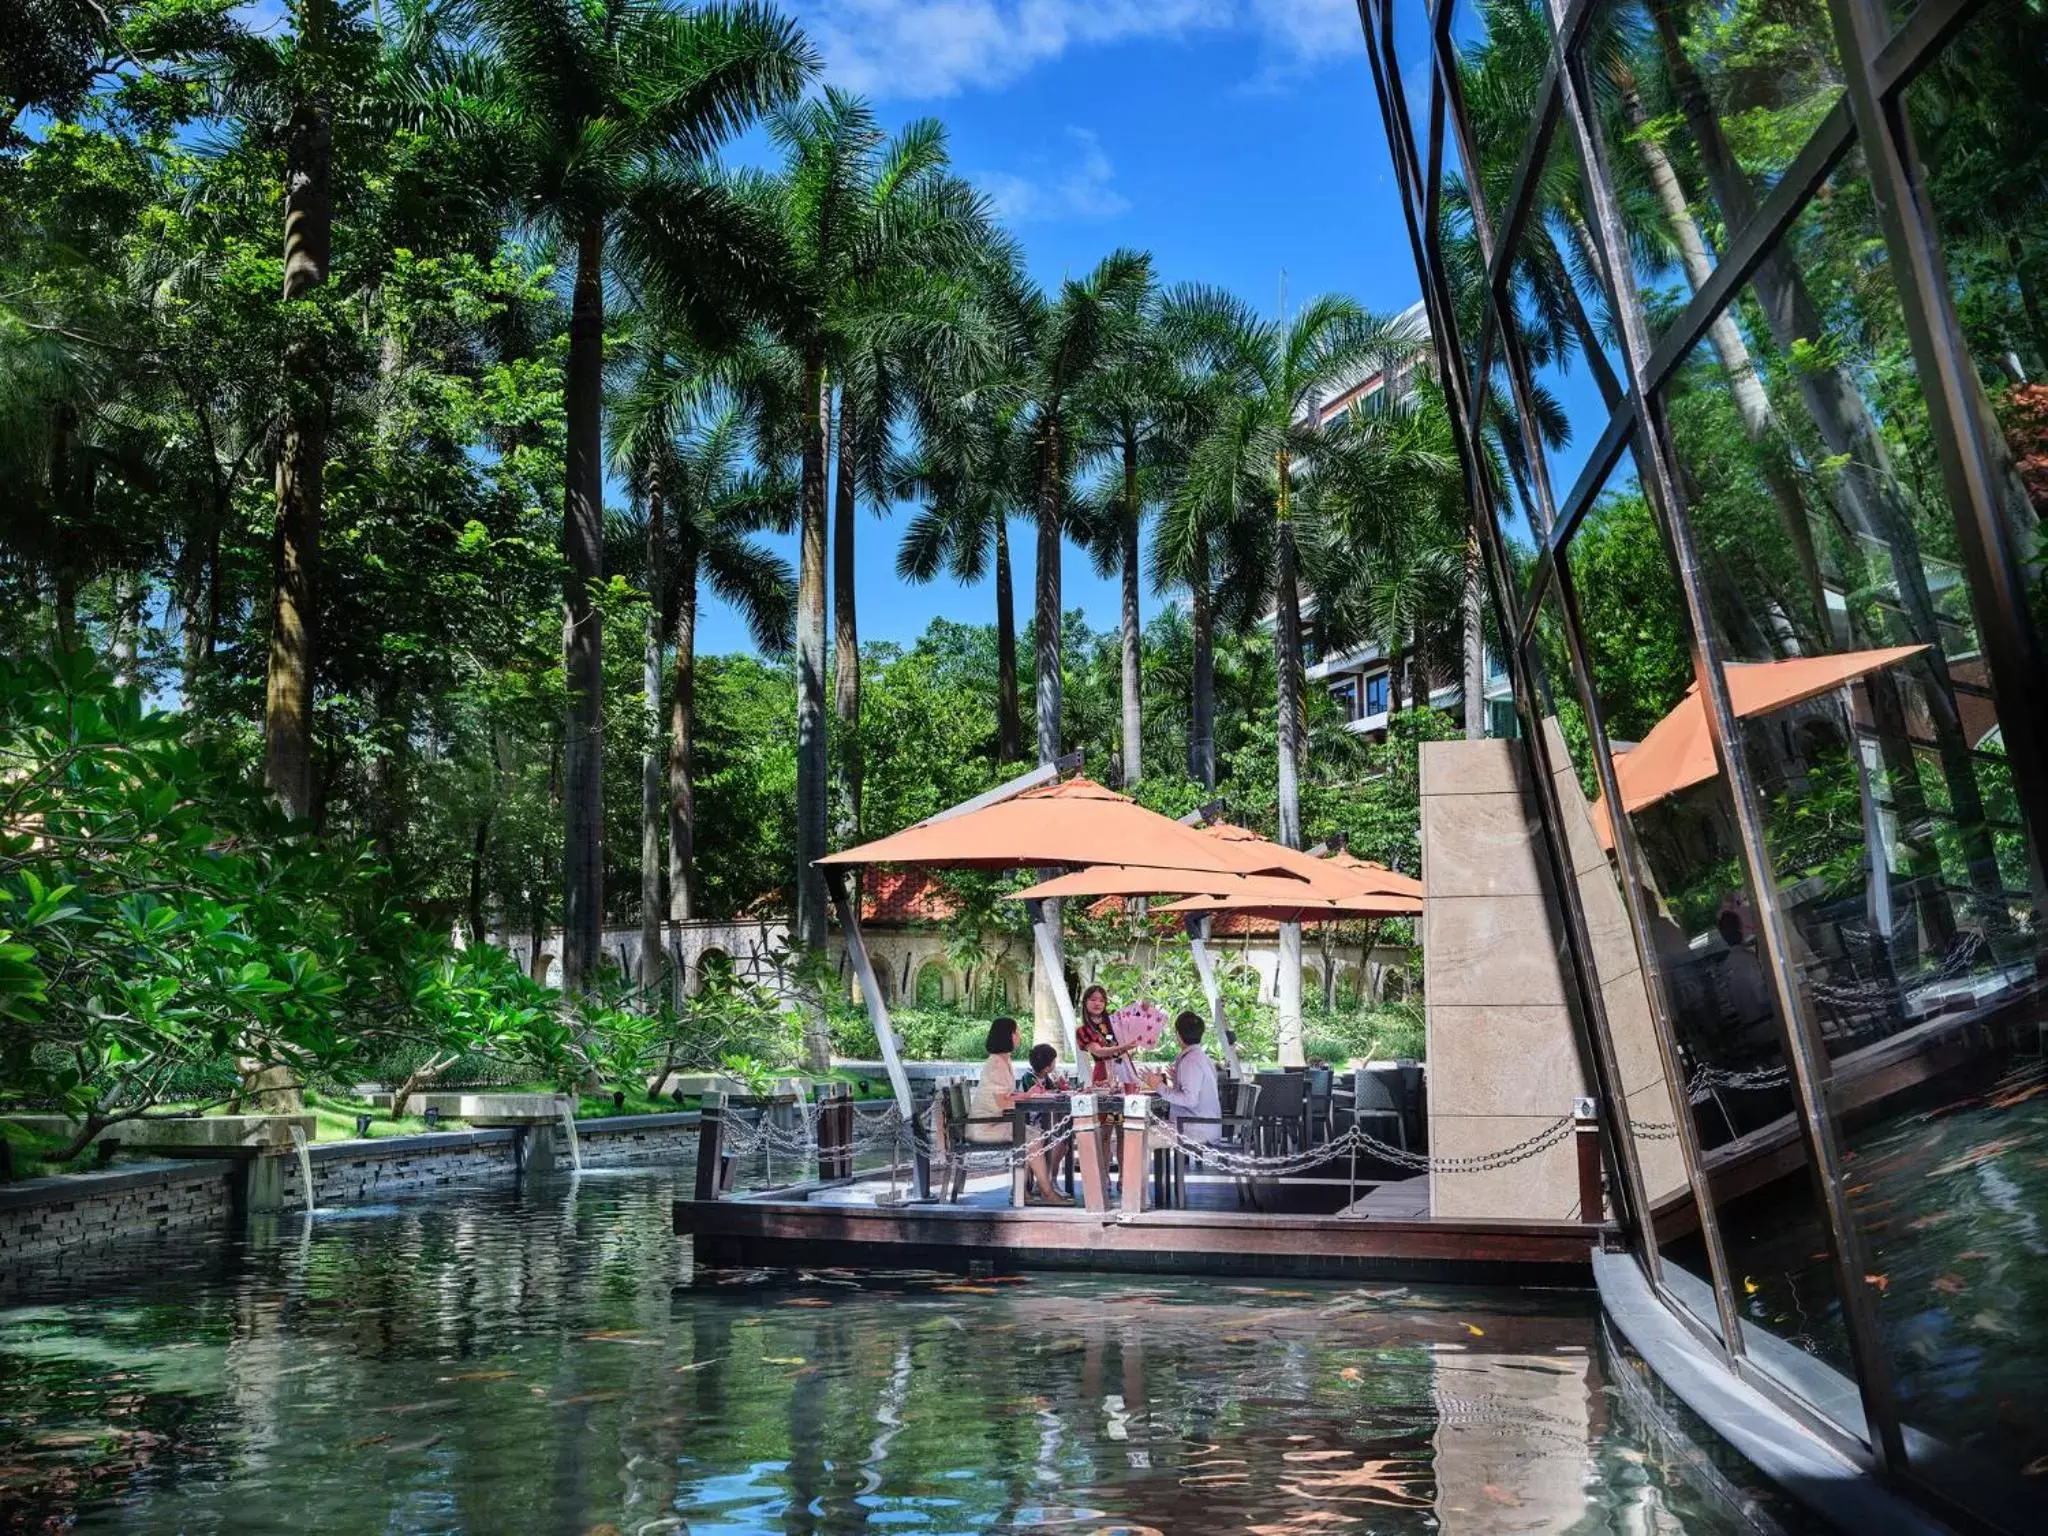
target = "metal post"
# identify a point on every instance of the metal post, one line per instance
(710, 1144)
(1197, 924)
(870, 989)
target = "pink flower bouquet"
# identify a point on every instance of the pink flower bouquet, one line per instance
(1142, 1024)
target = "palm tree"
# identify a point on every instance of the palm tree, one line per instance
(903, 305)
(685, 444)
(1129, 411)
(605, 116)
(1065, 344)
(974, 474)
(1267, 433)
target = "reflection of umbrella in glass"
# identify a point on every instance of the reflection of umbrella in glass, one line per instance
(1679, 753)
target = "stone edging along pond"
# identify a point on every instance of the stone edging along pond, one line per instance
(46, 1216)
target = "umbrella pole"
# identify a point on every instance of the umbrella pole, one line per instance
(1046, 942)
(870, 991)
(1197, 924)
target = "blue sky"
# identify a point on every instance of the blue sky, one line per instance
(1233, 139)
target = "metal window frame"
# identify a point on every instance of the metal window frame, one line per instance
(1879, 61)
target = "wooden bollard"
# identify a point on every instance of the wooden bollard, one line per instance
(1586, 1137)
(921, 1147)
(710, 1146)
(835, 1134)
(1137, 1120)
(1090, 1155)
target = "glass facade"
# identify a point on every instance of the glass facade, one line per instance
(1740, 309)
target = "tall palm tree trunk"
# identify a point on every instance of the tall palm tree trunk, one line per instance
(1009, 719)
(650, 762)
(1202, 719)
(845, 627)
(812, 765)
(582, 622)
(1133, 636)
(1047, 617)
(682, 744)
(1287, 668)
(302, 457)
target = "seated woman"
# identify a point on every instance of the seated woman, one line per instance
(994, 1097)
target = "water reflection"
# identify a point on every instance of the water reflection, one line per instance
(484, 1362)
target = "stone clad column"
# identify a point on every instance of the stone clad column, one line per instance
(1502, 1060)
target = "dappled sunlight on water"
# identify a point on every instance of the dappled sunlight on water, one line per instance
(484, 1362)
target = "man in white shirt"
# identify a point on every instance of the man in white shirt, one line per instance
(1190, 1084)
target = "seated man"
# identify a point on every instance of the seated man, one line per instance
(1189, 1085)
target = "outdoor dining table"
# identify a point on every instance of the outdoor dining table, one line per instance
(1050, 1108)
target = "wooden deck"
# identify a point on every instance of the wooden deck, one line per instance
(857, 1225)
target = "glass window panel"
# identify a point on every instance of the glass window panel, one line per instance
(1717, 996)
(1626, 998)
(1565, 326)
(1900, 860)
(1707, 103)
(1980, 135)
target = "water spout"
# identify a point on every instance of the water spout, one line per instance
(298, 1133)
(569, 1126)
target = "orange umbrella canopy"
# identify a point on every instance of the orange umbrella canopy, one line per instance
(1074, 822)
(1138, 880)
(1375, 877)
(1678, 752)
(1273, 900)
(1335, 877)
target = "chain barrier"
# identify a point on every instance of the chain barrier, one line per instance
(1240, 1163)
(886, 1130)
(1705, 1080)
(1654, 1130)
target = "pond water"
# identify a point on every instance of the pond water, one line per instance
(484, 1361)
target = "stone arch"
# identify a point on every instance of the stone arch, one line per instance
(932, 985)
(714, 967)
(1351, 987)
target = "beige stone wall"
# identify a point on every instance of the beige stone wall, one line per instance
(1623, 986)
(1502, 1062)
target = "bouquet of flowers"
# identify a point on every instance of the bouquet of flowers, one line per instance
(1142, 1024)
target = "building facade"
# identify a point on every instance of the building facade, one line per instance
(1774, 271)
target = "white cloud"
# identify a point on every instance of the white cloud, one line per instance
(1084, 189)
(925, 48)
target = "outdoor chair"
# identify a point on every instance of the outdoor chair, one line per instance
(1321, 1085)
(1414, 1102)
(1283, 1112)
(1239, 1127)
(959, 1154)
(1375, 1109)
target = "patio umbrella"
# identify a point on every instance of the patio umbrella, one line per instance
(1678, 752)
(1073, 822)
(1272, 900)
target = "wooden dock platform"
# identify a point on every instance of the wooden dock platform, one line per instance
(857, 1225)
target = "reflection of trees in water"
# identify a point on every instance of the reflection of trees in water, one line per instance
(514, 1365)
